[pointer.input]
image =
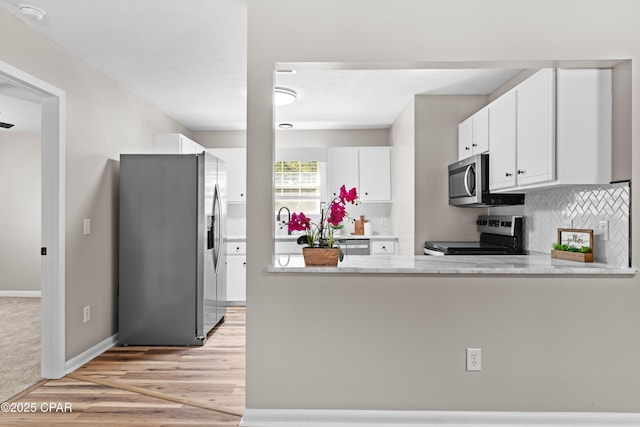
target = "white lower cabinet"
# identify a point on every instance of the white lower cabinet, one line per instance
(383, 247)
(236, 273)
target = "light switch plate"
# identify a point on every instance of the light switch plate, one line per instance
(87, 226)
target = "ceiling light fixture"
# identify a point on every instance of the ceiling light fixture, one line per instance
(285, 126)
(31, 12)
(284, 96)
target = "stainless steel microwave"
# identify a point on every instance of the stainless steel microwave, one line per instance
(469, 185)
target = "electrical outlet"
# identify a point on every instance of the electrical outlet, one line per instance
(603, 228)
(568, 223)
(474, 359)
(383, 221)
(87, 313)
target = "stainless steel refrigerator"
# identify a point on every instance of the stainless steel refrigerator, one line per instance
(171, 280)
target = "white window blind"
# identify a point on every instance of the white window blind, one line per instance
(298, 186)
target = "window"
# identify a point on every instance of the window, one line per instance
(298, 186)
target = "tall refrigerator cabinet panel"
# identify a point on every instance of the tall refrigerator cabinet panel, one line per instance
(171, 236)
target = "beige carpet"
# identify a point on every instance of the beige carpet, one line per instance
(19, 345)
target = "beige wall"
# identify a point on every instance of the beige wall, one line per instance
(437, 119)
(398, 342)
(621, 121)
(298, 138)
(221, 138)
(403, 137)
(104, 120)
(20, 211)
(332, 138)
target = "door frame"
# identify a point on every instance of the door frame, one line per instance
(52, 276)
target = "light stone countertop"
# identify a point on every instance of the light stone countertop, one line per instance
(456, 264)
(293, 237)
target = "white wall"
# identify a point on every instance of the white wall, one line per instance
(403, 137)
(398, 342)
(104, 120)
(20, 211)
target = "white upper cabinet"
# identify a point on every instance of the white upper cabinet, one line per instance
(480, 143)
(236, 160)
(342, 169)
(366, 168)
(375, 174)
(465, 138)
(552, 129)
(473, 134)
(175, 143)
(584, 126)
(502, 134)
(536, 128)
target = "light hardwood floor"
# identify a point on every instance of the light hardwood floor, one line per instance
(148, 386)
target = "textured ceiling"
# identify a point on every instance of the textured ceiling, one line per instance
(188, 58)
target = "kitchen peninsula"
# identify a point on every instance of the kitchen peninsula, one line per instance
(532, 264)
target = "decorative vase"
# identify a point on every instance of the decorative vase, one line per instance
(327, 257)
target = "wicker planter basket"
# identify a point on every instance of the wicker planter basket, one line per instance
(327, 257)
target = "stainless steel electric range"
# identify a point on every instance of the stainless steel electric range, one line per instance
(499, 235)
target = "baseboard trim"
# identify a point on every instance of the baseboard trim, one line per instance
(90, 354)
(21, 294)
(326, 418)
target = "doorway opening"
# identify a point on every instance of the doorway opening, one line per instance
(52, 276)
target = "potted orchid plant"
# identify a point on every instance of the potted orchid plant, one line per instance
(322, 248)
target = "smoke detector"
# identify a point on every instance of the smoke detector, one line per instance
(31, 12)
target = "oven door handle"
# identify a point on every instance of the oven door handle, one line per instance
(466, 180)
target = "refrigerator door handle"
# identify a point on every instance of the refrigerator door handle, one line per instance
(217, 232)
(210, 236)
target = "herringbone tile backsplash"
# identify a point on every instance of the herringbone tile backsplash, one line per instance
(546, 210)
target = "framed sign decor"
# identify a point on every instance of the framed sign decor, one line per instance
(574, 244)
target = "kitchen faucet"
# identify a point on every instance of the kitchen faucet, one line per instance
(278, 218)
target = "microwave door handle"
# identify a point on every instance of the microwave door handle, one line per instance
(466, 180)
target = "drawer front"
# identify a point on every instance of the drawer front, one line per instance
(236, 248)
(291, 247)
(383, 247)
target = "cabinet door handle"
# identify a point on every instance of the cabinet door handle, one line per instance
(466, 148)
(384, 248)
(244, 264)
(520, 172)
(366, 194)
(508, 174)
(474, 145)
(241, 194)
